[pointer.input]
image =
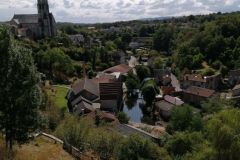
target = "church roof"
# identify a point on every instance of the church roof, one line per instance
(25, 18)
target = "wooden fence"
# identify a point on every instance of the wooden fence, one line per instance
(76, 153)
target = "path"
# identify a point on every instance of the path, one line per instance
(133, 62)
(175, 83)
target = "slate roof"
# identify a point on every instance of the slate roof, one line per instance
(165, 106)
(26, 18)
(202, 92)
(88, 85)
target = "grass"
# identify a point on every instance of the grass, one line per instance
(57, 95)
(39, 149)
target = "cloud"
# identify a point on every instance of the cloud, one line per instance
(90, 11)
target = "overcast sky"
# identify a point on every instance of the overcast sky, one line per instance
(91, 11)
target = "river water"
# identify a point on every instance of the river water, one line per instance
(133, 110)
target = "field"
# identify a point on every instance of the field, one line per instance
(57, 94)
(39, 149)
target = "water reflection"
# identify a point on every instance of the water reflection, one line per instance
(132, 107)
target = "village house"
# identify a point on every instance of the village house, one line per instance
(234, 77)
(167, 90)
(195, 95)
(134, 45)
(35, 26)
(236, 91)
(209, 82)
(165, 106)
(119, 70)
(83, 97)
(111, 92)
(77, 39)
(142, 42)
(103, 92)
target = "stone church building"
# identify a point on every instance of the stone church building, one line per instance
(35, 26)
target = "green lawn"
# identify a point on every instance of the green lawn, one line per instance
(57, 94)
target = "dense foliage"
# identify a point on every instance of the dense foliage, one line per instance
(20, 94)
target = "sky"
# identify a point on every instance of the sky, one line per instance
(95, 11)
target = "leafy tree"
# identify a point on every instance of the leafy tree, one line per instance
(143, 72)
(132, 82)
(104, 143)
(163, 38)
(74, 132)
(135, 148)
(223, 131)
(158, 63)
(149, 91)
(182, 118)
(183, 142)
(126, 38)
(20, 95)
(215, 104)
(122, 117)
(55, 60)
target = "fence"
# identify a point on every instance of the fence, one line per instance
(68, 148)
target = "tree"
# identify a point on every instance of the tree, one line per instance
(183, 142)
(135, 148)
(104, 143)
(132, 82)
(223, 131)
(122, 117)
(162, 39)
(215, 104)
(158, 63)
(20, 95)
(149, 91)
(182, 118)
(74, 131)
(143, 72)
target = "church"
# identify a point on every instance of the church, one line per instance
(35, 26)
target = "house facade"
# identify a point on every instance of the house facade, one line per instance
(195, 95)
(101, 93)
(209, 82)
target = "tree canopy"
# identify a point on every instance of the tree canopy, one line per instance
(20, 95)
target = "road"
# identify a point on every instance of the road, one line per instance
(175, 83)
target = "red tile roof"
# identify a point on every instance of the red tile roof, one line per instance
(202, 92)
(122, 68)
(173, 100)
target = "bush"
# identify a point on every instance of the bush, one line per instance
(123, 118)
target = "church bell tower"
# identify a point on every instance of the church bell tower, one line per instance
(44, 18)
